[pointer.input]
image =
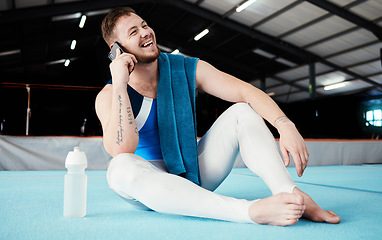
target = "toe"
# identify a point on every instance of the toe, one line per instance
(332, 217)
(288, 222)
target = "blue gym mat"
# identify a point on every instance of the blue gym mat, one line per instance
(31, 207)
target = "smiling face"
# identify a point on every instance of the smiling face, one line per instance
(133, 33)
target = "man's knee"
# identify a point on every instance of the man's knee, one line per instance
(122, 175)
(244, 111)
(121, 171)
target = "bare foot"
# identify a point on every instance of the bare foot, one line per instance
(281, 209)
(315, 212)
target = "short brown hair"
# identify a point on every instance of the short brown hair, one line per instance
(108, 23)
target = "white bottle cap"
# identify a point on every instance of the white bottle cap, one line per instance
(76, 158)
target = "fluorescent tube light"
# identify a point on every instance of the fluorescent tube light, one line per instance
(56, 62)
(378, 114)
(244, 5)
(334, 86)
(66, 17)
(6, 53)
(67, 61)
(73, 45)
(202, 34)
(263, 53)
(82, 22)
(176, 51)
(369, 116)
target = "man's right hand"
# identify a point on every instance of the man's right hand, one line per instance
(121, 67)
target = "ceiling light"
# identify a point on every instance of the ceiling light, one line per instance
(176, 51)
(73, 45)
(334, 86)
(202, 34)
(263, 53)
(67, 61)
(66, 17)
(82, 22)
(6, 53)
(56, 62)
(244, 5)
(286, 62)
(377, 114)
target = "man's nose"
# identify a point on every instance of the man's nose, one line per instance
(145, 33)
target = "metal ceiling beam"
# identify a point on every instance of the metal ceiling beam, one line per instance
(312, 80)
(307, 56)
(355, 48)
(64, 8)
(317, 20)
(83, 6)
(339, 34)
(67, 8)
(213, 17)
(351, 73)
(326, 72)
(276, 14)
(304, 78)
(292, 84)
(335, 54)
(349, 16)
(201, 51)
(336, 94)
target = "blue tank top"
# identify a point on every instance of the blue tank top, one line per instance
(147, 124)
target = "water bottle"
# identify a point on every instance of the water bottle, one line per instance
(75, 184)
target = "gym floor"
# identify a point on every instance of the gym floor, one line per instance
(32, 208)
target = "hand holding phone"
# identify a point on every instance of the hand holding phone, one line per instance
(113, 53)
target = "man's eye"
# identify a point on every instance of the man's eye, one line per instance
(145, 26)
(133, 32)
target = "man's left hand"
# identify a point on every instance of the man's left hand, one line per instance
(292, 142)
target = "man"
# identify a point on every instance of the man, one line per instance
(143, 163)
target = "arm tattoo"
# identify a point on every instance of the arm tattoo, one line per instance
(129, 115)
(120, 136)
(120, 131)
(130, 118)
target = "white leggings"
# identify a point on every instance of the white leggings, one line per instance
(148, 185)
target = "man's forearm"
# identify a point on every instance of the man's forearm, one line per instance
(121, 134)
(266, 107)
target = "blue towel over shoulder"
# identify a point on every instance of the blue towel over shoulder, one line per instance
(176, 115)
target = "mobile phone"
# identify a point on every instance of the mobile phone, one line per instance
(113, 51)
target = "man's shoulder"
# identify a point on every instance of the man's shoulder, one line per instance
(107, 88)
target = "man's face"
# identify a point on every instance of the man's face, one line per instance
(133, 33)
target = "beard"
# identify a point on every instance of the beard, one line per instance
(148, 58)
